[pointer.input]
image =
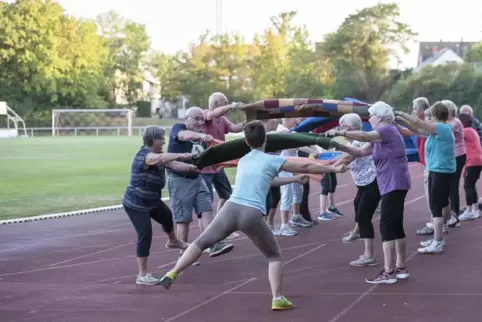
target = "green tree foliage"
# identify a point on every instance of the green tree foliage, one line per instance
(360, 50)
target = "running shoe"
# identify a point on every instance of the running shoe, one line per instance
(326, 216)
(383, 278)
(147, 279)
(298, 221)
(168, 279)
(335, 211)
(281, 304)
(220, 249)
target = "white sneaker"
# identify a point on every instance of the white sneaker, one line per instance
(467, 216)
(287, 231)
(299, 221)
(147, 279)
(427, 242)
(433, 248)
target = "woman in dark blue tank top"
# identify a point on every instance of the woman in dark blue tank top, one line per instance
(142, 199)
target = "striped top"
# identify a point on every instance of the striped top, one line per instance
(144, 189)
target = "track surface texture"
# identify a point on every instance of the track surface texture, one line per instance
(83, 268)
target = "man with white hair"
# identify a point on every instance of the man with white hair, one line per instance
(217, 125)
(187, 190)
(476, 125)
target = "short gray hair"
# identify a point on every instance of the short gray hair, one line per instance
(421, 103)
(352, 121)
(451, 107)
(213, 99)
(383, 111)
(152, 133)
(190, 110)
(466, 109)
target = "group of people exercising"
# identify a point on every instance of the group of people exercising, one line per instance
(448, 146)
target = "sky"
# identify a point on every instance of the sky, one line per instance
(173, 24)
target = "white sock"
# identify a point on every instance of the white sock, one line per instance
(474, 208)
(284, 226)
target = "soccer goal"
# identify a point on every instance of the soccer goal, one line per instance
(91, 122)
(11, 124)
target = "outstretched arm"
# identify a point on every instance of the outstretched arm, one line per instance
(364, 151)
(362, 136)
(164, 158)
(418, 123)
(181, 166)
(309, 167)
(281, 181)
(220, 111)
(410, 128)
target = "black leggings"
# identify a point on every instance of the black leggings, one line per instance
(141, 219)
(455, 183)
(273, 198)
(472, 174)
(391, 220)
(366, 202)
(439, 192)
(328, 183)
(304, 206)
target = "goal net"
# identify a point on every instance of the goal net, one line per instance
(91, 122)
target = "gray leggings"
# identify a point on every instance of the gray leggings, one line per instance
(234, 217)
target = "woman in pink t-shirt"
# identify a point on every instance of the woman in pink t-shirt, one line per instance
(473, 167)
(460, 158)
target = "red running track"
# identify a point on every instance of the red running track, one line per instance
(83, 269)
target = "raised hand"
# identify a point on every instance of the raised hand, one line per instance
(331, 133)
(341, 168)
(206, 138)
(192, 167)
(302, 178)
(185, 156)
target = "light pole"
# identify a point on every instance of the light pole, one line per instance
(219, 17)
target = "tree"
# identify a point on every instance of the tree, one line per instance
(459, 83)
(48, 59)
(361, 48)
(128, 44)
(474, 55)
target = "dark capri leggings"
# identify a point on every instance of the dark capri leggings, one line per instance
(141, 219)
(391, 220)
(366, 202)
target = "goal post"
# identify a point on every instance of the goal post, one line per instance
(11, 124)
(78, 122)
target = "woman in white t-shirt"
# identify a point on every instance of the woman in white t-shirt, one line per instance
(364, 175)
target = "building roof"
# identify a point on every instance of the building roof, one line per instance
(428, 49)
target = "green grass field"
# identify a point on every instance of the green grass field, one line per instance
(48, 175)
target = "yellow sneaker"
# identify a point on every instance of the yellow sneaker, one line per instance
(168, 279)
(281, 304)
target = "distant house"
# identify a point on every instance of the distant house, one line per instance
(441, 53)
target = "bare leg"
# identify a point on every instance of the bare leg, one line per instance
(369, 248)
(188, 258)
(270, 219)
(323, 203)
(275, 273)
(389, 255)
(331, 200)
(183, 231)
(142, 263)
(438, 224)
(401, 250)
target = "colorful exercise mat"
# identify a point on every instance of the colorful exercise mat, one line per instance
(303, 107)
(323, 124)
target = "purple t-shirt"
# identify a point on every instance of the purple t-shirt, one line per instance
(391, 160)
